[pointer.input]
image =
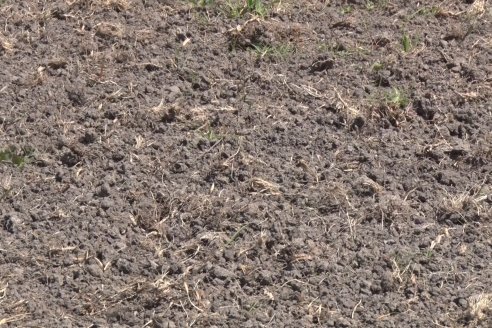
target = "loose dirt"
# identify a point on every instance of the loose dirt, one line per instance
(213, 164)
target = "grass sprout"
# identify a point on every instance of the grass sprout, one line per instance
(397, 99)
(406, 42)
(279, 52)
(377, 66)
(202, 3)
(211, 135)
(237, 9)
(15, 157)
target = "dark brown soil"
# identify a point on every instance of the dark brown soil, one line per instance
(201, 163)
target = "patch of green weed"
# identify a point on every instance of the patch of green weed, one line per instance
(277, 52)
(370, 5)
(16, 157)
(256, 7)
(377, 66)
(390, 108)
(406, 42)
(202, 3)
(425, 11)
(211, 136)
(237, 9)
(237, 233)
(347, 10)
(397, 99)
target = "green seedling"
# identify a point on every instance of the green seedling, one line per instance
(397, 99)
(425, 11)
(237, 233)
(262, 50)
(237, 9)
(279, 52)
(347, 10)
(406, 42)
(202, 3)
(377, 4)
(392, 108)
(211, 136)
(253, 307)
(324, 47)
(256, 7)
(234, 10)
(14, 157)
(370, 5)
(377, 66)
(429, 254)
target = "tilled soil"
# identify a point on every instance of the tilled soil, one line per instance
(209, 164)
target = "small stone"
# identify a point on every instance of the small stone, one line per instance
(76, 97)
(124, 266)
(359, 93)
(174, 89)
(265, 277)
(59, 175)
(69, 159)
(107, 204)
(104, 190)
(229, 255)
(118, 156)
(88, 138)
(222, 273)
(163, 323)
(12, 222)
(463, 303)
(358, 123)
(94, 270)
